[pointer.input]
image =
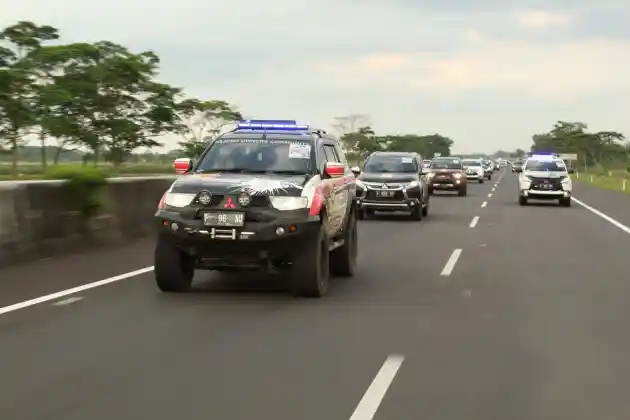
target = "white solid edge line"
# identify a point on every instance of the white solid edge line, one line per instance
(484, 204)
(378, 388)
(604, 216)
(450, 264)
(473, 222)
(57, 295)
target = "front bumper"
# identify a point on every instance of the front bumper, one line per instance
(255, 243)
(447, 184)
(475, 176)
(545, 195)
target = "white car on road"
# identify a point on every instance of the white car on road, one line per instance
(545, 177)
(474, 169)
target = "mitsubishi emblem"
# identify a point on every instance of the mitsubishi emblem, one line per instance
(384, 186)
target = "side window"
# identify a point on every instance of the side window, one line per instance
(340, 154)
(331, 154)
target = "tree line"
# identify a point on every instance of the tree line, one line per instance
(359, 137)
(100, 97)
(601, 148)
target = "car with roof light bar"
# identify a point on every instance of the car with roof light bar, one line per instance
(447, 174)
(545, 177)
(270, 195)
(393, 182)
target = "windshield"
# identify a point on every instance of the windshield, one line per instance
(446, 164)
(471, 163)
(545, 166)
(257, 156)
(390, 163)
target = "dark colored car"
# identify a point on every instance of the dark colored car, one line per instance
(447, 174)
(393, 181)
(269, 196)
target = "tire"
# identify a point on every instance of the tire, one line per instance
(522, 200)
(173, 269)
(565, 202)
(310, 274)
(431, 191)
(417, 213)
(481, 181)
(462, 192)
(425, 209)
(489, 177)
(360, 214)
(343, 260)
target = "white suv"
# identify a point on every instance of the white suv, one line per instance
(545, 177)
(474, 169)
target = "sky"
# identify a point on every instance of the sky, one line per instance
(486, 73)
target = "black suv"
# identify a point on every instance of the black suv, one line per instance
(392, 181)
(268, 196)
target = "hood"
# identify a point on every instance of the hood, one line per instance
(545, 174)
(390, 177)
(230, 183)
(474, 168)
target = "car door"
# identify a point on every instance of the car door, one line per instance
(337, 197)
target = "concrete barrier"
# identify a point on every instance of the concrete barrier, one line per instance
(37, 219)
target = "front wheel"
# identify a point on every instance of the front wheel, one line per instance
(522, 200)
(173, 269)
(462, 192)
(481, 180)
(565, 202)
(310, 271)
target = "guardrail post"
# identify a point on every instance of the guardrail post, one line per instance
(623, 185)
(591, 179)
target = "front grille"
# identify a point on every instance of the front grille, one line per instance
(257, 201)
(539, 184)
(398, 196)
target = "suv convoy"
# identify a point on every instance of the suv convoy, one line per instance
(447, 174)
(269, 196)
(545, 177)
(392, 181)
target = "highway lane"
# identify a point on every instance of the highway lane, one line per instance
(529, 323)
(540, 329)
(238, 347)
(612, 203)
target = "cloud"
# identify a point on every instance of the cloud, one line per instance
(473, 70)
(543, 19)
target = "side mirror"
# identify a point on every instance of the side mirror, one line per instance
(571, 170)
(356, 170)
(335, 169)
(183, 165)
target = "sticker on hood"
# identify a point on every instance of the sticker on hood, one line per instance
(264, 186)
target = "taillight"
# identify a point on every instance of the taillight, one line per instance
(161, 203)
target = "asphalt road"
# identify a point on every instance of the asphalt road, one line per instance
(485, 310)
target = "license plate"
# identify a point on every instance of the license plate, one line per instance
(231, 219)
(385, 193)
(444, 185)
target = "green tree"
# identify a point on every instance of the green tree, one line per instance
(18, 78)
(200, 122)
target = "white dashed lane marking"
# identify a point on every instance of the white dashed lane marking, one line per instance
(484, 204)
(473, 222)
(378, 388)
(452, 261)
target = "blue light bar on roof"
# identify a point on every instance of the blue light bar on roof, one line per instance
(280, 125)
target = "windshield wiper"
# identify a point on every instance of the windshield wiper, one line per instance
(287, 172)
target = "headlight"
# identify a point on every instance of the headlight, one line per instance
(178, 199)
(412, 184)
(457, 176)
(360, 184)
(430, 174)
(565, 179)
(288, 203)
